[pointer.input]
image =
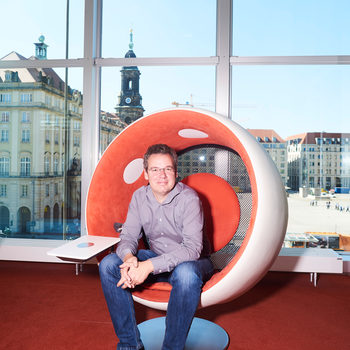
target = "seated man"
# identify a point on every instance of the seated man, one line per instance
(171, 217)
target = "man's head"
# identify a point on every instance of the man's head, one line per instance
(160, 164)
(160, 148)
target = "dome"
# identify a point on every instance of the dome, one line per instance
(130, 54)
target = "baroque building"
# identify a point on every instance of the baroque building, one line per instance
(129, 107)
(110, 126)
(40, 150)
(319, 160)
(276, 147)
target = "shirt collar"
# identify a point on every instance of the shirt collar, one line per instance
(171, 195)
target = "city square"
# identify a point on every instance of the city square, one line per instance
(305, 217)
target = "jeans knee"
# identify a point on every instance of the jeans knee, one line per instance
(109, 265)
(187, 275)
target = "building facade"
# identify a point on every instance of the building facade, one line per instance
(276, 147)
(110, 126)
(40, 151)
(319, 160)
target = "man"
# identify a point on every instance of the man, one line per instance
(171, 217)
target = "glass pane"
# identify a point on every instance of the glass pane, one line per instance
(161, 28)
(43, 23)
(289, 27)
(228, 165)
(130, 92)
(40, 154)
(300, 116)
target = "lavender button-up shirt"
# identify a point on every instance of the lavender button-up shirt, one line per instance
(174, 228)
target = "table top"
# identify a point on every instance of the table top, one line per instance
(310, 252)
(300, 237)
(83, 248)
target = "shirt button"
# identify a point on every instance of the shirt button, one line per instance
(165, 245)
(160, 219)
(162, 233)
(160, 270)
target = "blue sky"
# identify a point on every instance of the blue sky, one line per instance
(288, 99)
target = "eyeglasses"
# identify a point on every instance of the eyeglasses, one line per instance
(157, 171)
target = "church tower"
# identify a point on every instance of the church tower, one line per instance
(41, 48)
(129, 107)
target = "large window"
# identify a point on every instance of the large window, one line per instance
(42, 22)
(157, 88)
(290, 28)
(40, 142)
(292, 83)
(280, 69)
(161, 28)
(40, 101)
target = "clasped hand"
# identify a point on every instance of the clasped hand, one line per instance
(134, 272)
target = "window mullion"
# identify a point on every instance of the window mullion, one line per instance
(91, 103)
(223, 51)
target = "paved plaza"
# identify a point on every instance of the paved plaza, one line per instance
(304, 217)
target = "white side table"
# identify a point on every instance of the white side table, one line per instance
(83, 249)
(311, 260)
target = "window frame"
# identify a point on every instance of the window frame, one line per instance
(25, 136)
(92, 62)
(25, 117)
(3, 190)
(4, 166)
(5, 117)
(25, 166)
(26, 98)
(4, 136)
(24, 191)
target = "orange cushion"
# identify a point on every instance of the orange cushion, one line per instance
(159, 292)
(220, 205)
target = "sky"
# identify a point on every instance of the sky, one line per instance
(289, 99)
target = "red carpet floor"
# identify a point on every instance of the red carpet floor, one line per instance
(46, 306)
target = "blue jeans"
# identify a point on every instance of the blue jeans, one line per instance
(186, 279)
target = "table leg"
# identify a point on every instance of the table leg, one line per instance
(313, 278)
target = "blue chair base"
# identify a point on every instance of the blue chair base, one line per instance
(203, 335)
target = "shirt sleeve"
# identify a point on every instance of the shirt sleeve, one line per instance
(192, 232)
(131, 231)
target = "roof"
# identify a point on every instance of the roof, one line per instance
(266, 135)
(32, 75)
(113, 118)
(310, 138)
(130, 54)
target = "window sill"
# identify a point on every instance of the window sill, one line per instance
(35, 250)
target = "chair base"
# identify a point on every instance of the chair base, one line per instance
(203, 335)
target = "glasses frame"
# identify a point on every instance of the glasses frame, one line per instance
(155, 171)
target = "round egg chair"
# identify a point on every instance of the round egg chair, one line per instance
(244, 201)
